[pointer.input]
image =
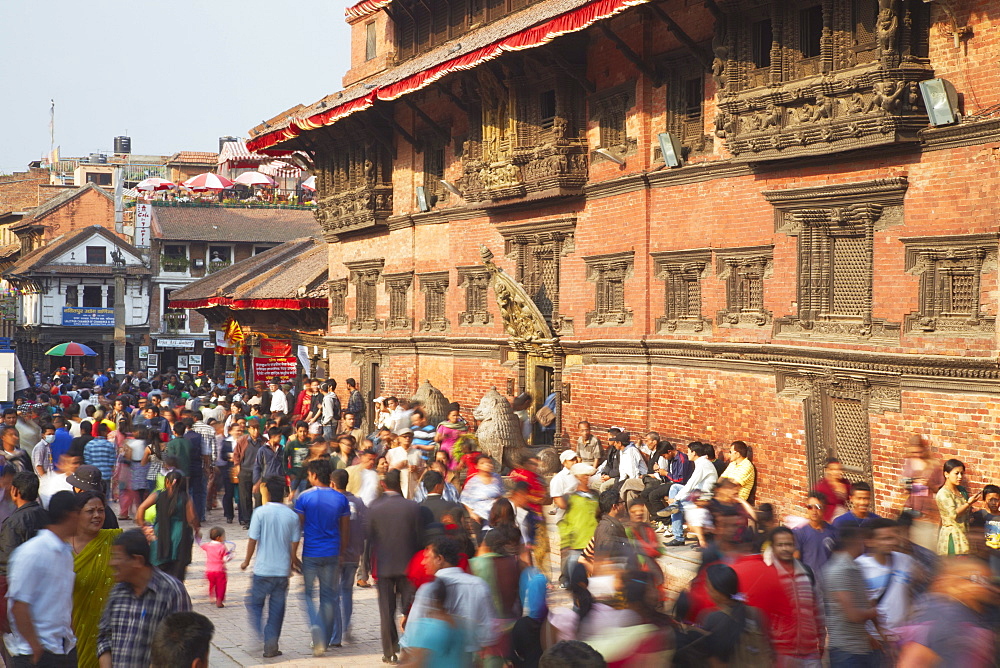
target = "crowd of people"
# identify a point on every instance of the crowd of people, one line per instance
(458, 547)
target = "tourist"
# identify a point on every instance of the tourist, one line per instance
(175, 526)
(815, 539)
(741, 469)
(143, 593)
(887, 574)
(481, 491)
(351, 550)
(835, 488)
(330, 411)
(217, 554)
(94, 577)
(859, 515)
(275, 528)
(847, 604)
(326, 516)
(922, 478)
(182, 640)
(395, 534)
(702, 480)
(40, 591)
(955, 508)
(579, 521)
(468, 599)
(244, 456)
(955, 624)
(795, 624)
(355, 402)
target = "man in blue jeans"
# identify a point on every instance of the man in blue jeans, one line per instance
(275, 528)
(351, 549)
(326, 517)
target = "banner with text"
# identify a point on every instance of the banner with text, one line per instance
(266, 368)
(88, 317)
(275, 347)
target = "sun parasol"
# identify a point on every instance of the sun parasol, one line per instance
(70, 349)
(310, 183)
(153, 183)
(254, 179)
(208, 181)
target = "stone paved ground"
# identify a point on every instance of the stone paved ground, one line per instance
(236, 645)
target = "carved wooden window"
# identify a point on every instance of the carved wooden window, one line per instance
(610, 110)
(744, 272)
(433, 173)
(682, 273)
(398, 287)
(537, 249)
(355, 174)
(338, 295)
(365, 276)
(371, 45)
(546, 109)
(810, 31)
(761, 41)
(435, 289)
(609, 273)
(950, 269)
(685, 100)
(475, 281)
(836, 228)
(864, 15)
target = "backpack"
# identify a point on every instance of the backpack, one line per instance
(753, 649)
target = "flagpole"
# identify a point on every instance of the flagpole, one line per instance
(52, 137)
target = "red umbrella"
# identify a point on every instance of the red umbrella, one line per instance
(208, 181)
(310, 183)
(153, 184)
(254, 179)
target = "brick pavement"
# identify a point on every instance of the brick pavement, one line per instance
(235, 644)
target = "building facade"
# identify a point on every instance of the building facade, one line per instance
(721, 220)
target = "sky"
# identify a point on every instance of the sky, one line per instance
(171, 75)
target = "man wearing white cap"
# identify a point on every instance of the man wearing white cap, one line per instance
(563, 483)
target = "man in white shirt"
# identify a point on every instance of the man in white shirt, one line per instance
(55, 480)
(888, 574)
(631, 466)
(702, 479)
(279, 402)
(40, 598)
(564, 482)
(469, 598)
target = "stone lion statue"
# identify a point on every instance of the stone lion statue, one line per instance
(433, 401)
(499, 431)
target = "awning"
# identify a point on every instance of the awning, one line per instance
(246, 304)
(365, 8)
(573, 21)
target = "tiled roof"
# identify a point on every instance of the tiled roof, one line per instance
(450, 50)
(194, 158)
(38, 260)
(62, 198)
(220, 223)
(295, 270)
(10, 250)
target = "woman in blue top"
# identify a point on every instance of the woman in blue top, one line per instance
(437, 639)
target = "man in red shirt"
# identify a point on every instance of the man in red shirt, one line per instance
(538, 496)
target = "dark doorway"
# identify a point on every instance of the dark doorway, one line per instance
(542, 387)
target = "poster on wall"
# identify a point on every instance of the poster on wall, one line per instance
(151, 371)
(182, 361)
(266, 368)
(195, 369)
(275, 347)
(153, 360)
(143, 352)
(194, 359)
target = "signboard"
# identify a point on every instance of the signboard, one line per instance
(187, 344)
(266, 368)
(88, 317)
(275, 347)
(119, 367)
(143, 221)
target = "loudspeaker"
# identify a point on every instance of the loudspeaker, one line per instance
(940, 100)
(671, 149)
(422, 202)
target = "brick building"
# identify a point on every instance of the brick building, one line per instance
(812, 269)
(193, 241)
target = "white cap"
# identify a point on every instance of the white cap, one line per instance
(379, 400)
(567, 455)
(583, 469)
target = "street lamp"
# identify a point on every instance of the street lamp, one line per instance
(118, 270)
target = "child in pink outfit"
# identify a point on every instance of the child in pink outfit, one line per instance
(217, 553)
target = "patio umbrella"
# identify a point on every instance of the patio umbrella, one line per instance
(70, 349)
(310, 183)
(208, 181)
(254, 179)
(153, 183)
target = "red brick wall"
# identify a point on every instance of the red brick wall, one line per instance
(90, 208)
(20, 191)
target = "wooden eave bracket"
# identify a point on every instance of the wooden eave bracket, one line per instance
(431, 123)
(682, 37)
(631, 55)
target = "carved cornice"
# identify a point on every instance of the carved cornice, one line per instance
(955, 246)
(966, 133)
(365, 266)
(887, 192)
(547, 229)
(445, 215)
(414, 345)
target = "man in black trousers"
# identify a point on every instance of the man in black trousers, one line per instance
(395, 534)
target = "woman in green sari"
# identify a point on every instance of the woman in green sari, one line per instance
(94, 577)
(175, 527)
